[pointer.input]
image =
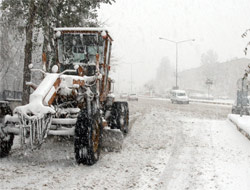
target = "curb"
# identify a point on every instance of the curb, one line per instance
(240, 129)
(208, 102)
(191, 100)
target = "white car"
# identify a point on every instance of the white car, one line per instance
(132, 97)
(179, 96)
(124, 96)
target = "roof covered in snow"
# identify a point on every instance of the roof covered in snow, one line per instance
(104, 31)
(81, 29)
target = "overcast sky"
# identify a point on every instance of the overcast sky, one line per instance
(136, 26)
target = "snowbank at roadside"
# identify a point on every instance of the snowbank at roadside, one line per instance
(242, 123)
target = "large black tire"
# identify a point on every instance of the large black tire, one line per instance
(7, 141)
(4, 110)
(5, 145)
(88, 132)
(120, 116)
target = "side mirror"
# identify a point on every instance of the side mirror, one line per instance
(58, 34)
(104, 34)
(30, 66)
(76, 67)
(54, 69)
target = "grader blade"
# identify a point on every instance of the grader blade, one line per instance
(112, 140)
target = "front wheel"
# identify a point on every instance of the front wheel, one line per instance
(88, 133)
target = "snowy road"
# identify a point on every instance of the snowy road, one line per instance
(169, 147)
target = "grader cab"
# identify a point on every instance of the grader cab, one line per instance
(74, 99)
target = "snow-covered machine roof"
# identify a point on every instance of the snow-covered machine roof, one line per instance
(178, 91)
(81, 29)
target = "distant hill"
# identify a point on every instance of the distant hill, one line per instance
(224, 76)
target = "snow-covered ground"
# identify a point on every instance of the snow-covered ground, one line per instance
(169, 147)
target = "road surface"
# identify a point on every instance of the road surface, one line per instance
(169, 147)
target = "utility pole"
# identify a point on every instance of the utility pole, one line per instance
(176, 56)
(131, 79)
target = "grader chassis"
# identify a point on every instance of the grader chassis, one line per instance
(74, 99)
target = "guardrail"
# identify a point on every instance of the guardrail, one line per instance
(194, 100)
(211, 102)
(9, 95)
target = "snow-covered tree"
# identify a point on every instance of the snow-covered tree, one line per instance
(209, 61)
(165, 75)
(11, 55)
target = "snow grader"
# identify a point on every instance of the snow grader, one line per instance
(73, 99)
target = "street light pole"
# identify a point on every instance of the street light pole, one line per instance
(131, 79)
(176, 55)
(176, 62)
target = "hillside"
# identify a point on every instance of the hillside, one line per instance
(224, 76)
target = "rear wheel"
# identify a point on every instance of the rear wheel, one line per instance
(6, 142)
(4, 110)
(88, 133)
(120, 116)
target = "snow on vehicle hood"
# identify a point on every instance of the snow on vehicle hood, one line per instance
(39, 99)
(36, 105)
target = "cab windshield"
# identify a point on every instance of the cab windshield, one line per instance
(79, 48)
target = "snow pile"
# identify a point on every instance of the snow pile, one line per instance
(241, 122)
